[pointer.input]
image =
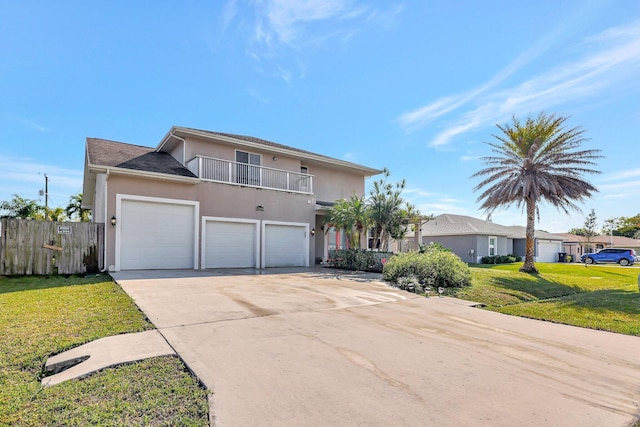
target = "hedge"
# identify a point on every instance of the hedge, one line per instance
(358, 259)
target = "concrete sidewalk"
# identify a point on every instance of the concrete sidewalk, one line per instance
(86, 359)
(304, 348)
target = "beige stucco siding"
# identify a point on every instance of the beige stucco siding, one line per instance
(217, 200)
(201, 147)
(330, 185)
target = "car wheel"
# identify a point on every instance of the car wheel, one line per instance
(624, 262)
(588, 260)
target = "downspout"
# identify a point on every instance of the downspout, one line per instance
(184, 148)
(106, 211)
(198, 254)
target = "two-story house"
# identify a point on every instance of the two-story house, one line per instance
(205, 199)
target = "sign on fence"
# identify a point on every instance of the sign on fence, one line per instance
(44, 247)
(64, 229)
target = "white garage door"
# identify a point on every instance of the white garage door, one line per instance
(154, 235)
(285, 245)
(548, 251)
(230, 244)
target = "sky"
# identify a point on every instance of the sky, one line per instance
(414, 86)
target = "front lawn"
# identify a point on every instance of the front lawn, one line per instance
(41, 316)
(596, 297)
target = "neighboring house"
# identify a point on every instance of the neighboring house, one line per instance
(205, 199)
(472, 238)
(577, 245)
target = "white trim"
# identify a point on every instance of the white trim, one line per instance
(295, 224)
(262, 147)
(222, 219)
(144, 174)
(196, 214)
(494, 246)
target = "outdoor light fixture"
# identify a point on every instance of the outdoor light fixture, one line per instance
(313, 231)
(113, 221)
(260, 208)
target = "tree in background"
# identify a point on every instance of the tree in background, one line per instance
(75, 211)
(628, 227)
(385, 211)
(390, 214)
(536, 161)
(23, 208)
(589, 230)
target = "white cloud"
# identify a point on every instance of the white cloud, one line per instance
(611, 59)
(283, 30)
(417, 192)
(285, 17)
(33, 125)
(633, 173)
(25, 177)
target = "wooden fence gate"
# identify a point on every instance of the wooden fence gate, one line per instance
(45, 247)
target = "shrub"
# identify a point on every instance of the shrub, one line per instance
(410, 284)
(358, 259)
(500, 259)
(434, 268)
(433, 246)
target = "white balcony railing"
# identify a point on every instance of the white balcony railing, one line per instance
(218, 170)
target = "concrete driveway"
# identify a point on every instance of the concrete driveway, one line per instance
(314, 348)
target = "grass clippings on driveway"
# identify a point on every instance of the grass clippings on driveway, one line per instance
(41, 316)
(596, 297)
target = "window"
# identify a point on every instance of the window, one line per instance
(248, 168)
(492, 245)
(304, 182)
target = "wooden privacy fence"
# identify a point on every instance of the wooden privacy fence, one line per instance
(45, 247)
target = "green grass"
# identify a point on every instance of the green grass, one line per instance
(596, 297)
(41, 316)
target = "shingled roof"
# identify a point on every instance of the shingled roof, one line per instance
(265, 145)
(102, 152)
(456, 225)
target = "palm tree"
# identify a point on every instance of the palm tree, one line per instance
(350, 215)
(537, 161)
(75, 210)
(386, 210)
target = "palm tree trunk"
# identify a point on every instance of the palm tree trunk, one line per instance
(529, 266)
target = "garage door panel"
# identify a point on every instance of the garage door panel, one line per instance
(548, 251)
(156, 235)
(230, 244)
(285, 245)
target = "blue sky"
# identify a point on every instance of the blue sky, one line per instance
(414, 86)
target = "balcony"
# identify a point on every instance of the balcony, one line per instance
(228, 172)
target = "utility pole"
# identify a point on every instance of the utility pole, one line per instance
(46, 197)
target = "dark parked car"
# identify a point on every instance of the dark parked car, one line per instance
(619, 255)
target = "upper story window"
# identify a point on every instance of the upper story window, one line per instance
(304, 170)
(492, 245)
(248, 168)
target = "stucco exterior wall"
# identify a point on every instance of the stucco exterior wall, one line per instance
(98, 213)
(462, 245)
(201, 147)
(217, 200)
(330, 184)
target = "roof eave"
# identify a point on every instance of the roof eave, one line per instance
(366, 171)
(142, 174)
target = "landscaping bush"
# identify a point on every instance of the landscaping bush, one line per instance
(433, 246)
(436, 268)
(500, 259)
(358, 259)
